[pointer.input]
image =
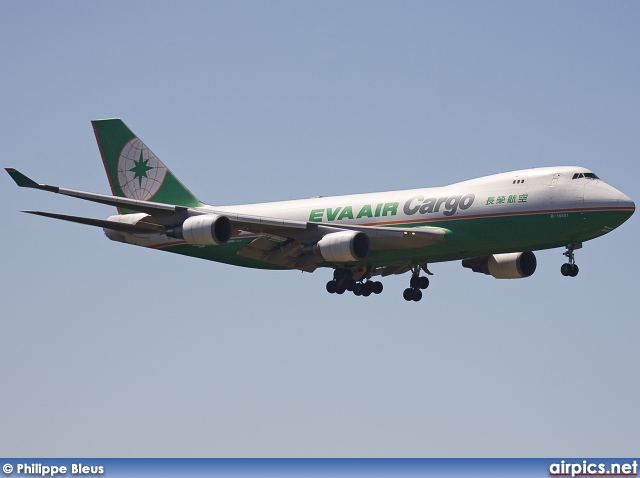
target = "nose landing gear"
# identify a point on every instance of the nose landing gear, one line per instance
(416, 284)
(570, 269)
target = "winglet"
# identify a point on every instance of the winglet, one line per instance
(20, 179)
(26, 182)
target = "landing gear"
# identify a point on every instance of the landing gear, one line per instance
(417, 282)
(570, 269)
(367, 288)
(358, 280)
(343, 281)
(410, 294)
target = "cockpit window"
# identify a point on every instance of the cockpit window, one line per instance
(585, 175)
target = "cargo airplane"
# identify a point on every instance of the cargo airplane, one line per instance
(492, 224)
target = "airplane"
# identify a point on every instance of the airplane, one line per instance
(491, 224)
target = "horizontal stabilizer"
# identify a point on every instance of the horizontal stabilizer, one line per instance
(139, 228)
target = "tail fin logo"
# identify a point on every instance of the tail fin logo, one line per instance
(140, 172)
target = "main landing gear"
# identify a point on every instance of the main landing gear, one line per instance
(343, 281)
(570, 269)
(358, 281)
(416, 284)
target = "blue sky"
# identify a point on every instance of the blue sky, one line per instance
(109, 350)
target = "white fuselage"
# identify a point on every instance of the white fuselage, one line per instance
(518, 192)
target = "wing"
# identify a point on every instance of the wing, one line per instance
(281, 241)
(140, 227)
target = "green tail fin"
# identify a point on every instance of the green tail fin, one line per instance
(134, 171)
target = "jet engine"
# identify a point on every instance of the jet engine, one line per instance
(345, 246)
(130, 220)
(515, 265)
(204, 230)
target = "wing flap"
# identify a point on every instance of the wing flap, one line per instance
(273, 251)
(401, 237)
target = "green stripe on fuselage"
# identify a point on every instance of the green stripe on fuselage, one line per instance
(470, 237)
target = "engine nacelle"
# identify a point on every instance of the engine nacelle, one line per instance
(204, 230)
(131, 219)
(514, 265)
(345, 246)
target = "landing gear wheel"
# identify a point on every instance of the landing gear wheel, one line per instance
(417, 295)
(574, 270)
(377, 287)
(332, 287)
(423, 282)
(367, 288)
(569, 270)
(408, 294)
(357, 289)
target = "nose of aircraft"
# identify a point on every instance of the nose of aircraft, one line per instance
(599, 193)
(618, 206)
(625, 202)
